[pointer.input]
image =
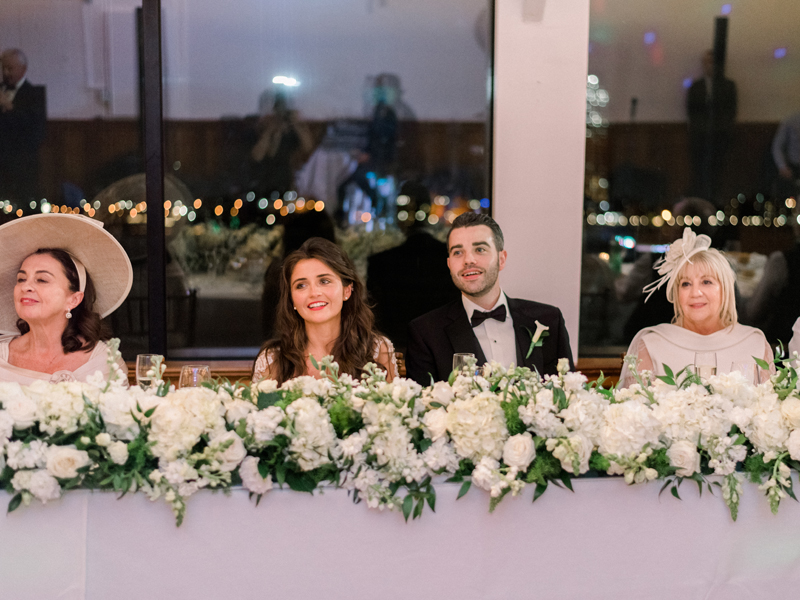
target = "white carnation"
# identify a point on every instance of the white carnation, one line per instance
(118, 451)
(44, 486)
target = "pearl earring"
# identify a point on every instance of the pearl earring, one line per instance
(69, 314)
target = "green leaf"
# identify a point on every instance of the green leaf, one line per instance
(408, 505)
(567, 480)
(541, 488)
(762, 363)
(418, 508)
(560, 398)
(424, 444)
(431, 497)
(149, 412)
(669, 372)
(674, 491)
(16, 500)
(464, 489)
(263, 469)
(280, 473)
(267, 399)
(790, 492)
(301, 482)
(436, 405)
(457, 478)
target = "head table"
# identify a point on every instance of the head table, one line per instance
(608, 540)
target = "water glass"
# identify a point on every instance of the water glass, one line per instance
(194, 375)
(705, 364)
(463, 359)
(146, 367)
(749, 369)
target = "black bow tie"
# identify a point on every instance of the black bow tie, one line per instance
(498, 313)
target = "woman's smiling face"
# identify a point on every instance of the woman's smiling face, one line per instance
(700, 298)
(318, 293)
(42, 292)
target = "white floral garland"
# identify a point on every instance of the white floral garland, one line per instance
(501, 430)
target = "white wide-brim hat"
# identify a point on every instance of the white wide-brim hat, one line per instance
(105, 260)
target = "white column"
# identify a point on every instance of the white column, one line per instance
(539, 140)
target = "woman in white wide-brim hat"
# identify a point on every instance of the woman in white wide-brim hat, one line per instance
(59, 276)
(700, 284)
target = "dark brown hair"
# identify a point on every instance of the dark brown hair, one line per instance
(472, 219)
(357, 339)
(85, 328)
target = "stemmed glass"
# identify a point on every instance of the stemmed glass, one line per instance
(462, 360)
(194, 375)
(705, 364)
(749, 369)
(147, 366)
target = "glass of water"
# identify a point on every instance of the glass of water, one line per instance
(194, 375)
(705, 364)
(463, 359)
(749, 369)
(146, 367)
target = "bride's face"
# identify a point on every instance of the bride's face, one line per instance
(700, 297)
(318, 293)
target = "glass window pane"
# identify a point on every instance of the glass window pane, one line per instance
(311, 116)
(70, 137)
(684, 102)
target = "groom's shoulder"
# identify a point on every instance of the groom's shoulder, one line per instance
(539, 310)
(438, 317)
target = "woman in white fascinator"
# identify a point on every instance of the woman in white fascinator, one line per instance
(700, 286)
(59, 276)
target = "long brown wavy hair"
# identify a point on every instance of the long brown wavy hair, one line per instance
(85, 328)
(358, 338)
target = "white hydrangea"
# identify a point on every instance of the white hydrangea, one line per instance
(584, 414)
(692, 414)
(60, 405)
(540, 415)
(181, 418)
(477, 426)
(440, 457)
(21, 408)
(265, 424)
(40, 484)
(768, 429)
(26, 456)
(627, 428)
(117, 407)
(6, 427)
(311, 433)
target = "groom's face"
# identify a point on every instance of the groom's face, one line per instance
(474, 260)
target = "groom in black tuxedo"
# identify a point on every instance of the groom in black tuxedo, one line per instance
(484, 321)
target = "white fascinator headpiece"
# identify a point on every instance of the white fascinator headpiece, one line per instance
(680, 252)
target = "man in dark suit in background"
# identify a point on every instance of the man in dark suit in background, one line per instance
(412, 279)
(711, 106)
(484, 321)
(23, 115)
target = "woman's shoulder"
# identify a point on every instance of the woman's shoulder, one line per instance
(382, 345)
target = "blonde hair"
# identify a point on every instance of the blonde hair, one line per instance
(717, 266)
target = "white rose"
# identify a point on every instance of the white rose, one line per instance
(441, 393)
(236, 410)
(251, 478)
(790, 409)
(118, 452)
(102, 439)
(519, 451)
(436, 423)
(63, 462)
(265, 386)
(20, 408)
(44, 486)
(793, 445)
(233, 454)
(683, 454)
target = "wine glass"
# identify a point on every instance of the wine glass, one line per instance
(705, 364)
(194, 375)
(463, 359)
(146, 366)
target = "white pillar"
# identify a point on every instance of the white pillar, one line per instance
(541, 59)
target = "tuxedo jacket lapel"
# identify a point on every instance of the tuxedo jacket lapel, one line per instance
(459, 332)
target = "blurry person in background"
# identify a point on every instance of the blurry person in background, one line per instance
(786, 154)
(23, 116)
(711, 107)
(283, 145)
(775, 305)
(412, 279)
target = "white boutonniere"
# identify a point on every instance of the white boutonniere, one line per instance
(537, 337)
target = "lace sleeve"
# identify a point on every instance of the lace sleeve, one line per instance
(261, 368)
(644, 363)
(384, 355)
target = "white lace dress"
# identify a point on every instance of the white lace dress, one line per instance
(675, 347)
(383, 355)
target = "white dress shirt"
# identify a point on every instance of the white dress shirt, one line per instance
(497, 339)
(10, 94)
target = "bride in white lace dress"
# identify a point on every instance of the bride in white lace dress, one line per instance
(700, 285)
(322, 311)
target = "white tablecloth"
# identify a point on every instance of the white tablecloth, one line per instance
(606, 541)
